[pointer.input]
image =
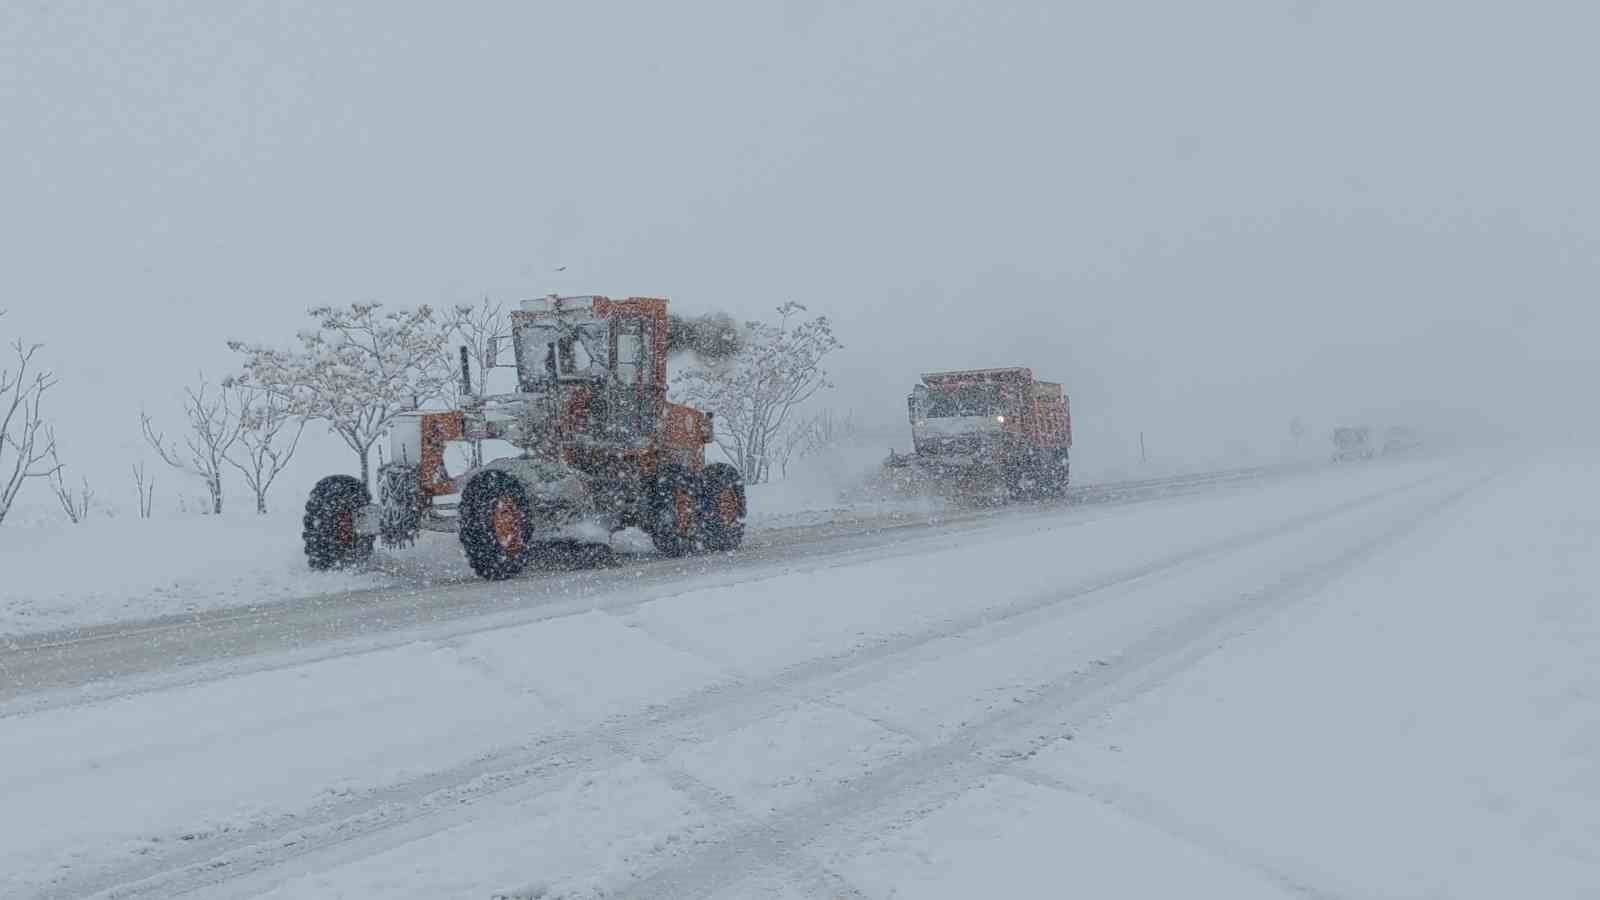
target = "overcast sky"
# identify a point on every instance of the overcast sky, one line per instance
(1203, 217)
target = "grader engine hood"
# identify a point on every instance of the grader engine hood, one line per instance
(419, 439)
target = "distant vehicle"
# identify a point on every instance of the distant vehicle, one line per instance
(1401, 439)
(1353, 442)
(991, 429)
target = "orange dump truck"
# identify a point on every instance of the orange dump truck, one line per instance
(995, 429)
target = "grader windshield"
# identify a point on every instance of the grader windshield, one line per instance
(560, 351)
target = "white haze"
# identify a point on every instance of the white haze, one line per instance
(1204, 218)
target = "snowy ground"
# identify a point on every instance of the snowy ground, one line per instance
(60, 576)
(1372, 681)
(105, 570)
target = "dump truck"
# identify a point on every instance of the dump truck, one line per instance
(995, 431)
(598, 449)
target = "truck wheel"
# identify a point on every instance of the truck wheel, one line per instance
(495, 523)
(1056, 475)
(673, 502)
(722, 507)
(330, 523)
(1023, 480)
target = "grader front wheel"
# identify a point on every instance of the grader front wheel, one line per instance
(496, 518)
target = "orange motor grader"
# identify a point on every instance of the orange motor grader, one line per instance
(599, 447)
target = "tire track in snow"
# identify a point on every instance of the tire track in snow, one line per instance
(374, 819)
(1140, 809)
(926, 779)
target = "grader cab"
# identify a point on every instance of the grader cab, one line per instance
(597, 448)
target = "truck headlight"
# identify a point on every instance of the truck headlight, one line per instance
(1000, 419)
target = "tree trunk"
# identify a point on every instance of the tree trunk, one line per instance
(215, 484)
(261, 503)
(365, 453)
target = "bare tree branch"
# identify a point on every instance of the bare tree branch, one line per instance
(214, 426)
(75, 505)
(268, 438)
(814, 435)
(21, 423)
(146, 486)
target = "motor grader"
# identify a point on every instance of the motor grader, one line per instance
(599, 449)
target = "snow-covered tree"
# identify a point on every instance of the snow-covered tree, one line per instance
(359, 368)
(756, 392)
(269, 434)
(214, 424)
(27, 450)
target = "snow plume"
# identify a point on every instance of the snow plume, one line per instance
(713, 337)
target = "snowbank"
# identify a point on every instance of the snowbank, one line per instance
(845, 480)
(1091, 464)
(62, 575)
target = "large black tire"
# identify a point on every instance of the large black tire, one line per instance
(674, 504)
(722, 508)
(330, 523)
(495, 524)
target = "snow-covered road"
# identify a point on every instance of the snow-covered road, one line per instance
(432, 590)
(1137, 698)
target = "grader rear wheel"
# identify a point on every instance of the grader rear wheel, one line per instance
(329, 532)
(674, 512)
(722, 508)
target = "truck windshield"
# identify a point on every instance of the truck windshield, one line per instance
(965, 400)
